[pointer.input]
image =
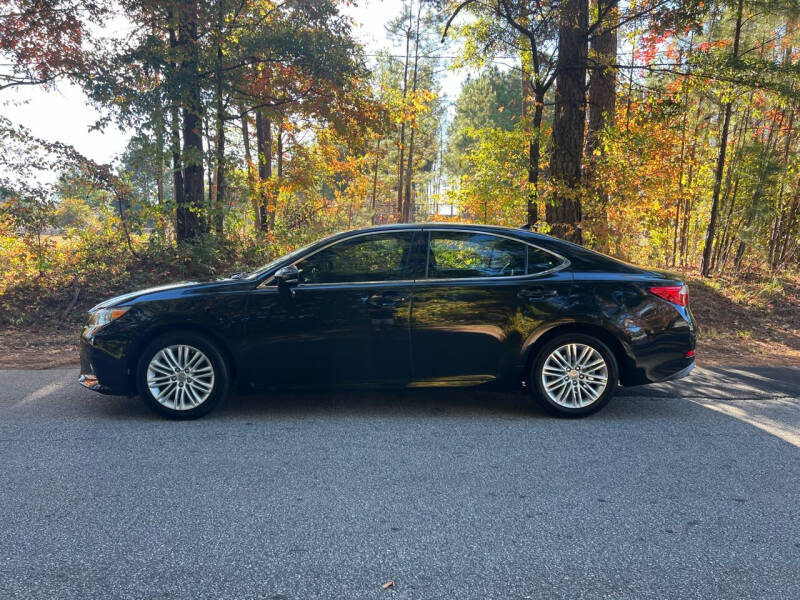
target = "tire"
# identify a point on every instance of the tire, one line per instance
(199, 390)
(573, 392)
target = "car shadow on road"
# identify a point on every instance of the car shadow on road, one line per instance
(358, 403)
(379, 404)
(402, 403)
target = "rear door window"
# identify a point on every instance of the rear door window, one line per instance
(469, 255)
(462, 255)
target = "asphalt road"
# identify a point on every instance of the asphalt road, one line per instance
(687, 490)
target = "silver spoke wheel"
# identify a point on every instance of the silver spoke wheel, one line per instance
(574, 375)
(180, 377)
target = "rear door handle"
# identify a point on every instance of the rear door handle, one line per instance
(536, 293)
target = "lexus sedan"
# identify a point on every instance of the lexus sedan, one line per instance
(400, 305)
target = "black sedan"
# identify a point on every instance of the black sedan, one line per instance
(402, 305)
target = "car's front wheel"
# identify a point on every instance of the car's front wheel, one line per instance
(574, 375)
(182, 375)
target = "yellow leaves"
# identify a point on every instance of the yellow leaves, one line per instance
(406, 110)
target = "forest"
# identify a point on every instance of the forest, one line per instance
(661, 132)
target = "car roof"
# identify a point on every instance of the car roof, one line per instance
(515, 231)
(579, 256)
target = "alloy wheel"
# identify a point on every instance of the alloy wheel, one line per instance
(574, 375)
(180, 377)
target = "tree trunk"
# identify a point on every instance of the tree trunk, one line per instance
(375, 184)
(602, 100)
(280, 148)
(564, 210)
(219, 133)
(175, 139)
(682, 167)
(731, 190)
(251, 177)
(788, 237)
(603, 75)
(680, 178)
(723, 242)
(211, 171)
(532, 97)
(778, 222)
(534, 153)
(219, 151)
(408, 206)
(400, 172)
(705, 266)
(159, 157)
(190, 223)
(177, 163)
(402, 149)
(264, 144)
(527, 100)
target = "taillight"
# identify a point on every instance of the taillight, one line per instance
(677, 294)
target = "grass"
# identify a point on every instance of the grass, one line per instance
(750, 319)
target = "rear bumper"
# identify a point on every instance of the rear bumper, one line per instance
(681, 374)
(101, 371)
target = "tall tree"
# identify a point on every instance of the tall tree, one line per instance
(564, 209)
(220, 119)
(190, 210)
(602, 95)
(705, 265)
(264, 146)
(408, 208)
(174, 111)
(528, 29)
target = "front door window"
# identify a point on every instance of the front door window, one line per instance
(369, 258)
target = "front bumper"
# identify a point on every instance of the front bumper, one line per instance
(91, 382)
(101, 371)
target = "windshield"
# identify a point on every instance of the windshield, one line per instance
(277, 261)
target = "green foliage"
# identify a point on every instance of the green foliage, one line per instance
(494, 186)
(491, 100)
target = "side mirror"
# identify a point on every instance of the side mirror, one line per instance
(287, 277)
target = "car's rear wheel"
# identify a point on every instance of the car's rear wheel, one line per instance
(182, 375)
(573, 375)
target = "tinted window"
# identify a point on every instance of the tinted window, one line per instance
(455, 254)
(539, 260)
(379, 257)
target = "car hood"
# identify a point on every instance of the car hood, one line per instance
(162, 291)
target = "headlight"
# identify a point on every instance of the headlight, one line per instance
(104, 316)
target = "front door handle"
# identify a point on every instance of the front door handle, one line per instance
(536, 293)
(384, 300)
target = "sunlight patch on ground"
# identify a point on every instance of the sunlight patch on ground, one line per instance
(780, 430)
(42, 392)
